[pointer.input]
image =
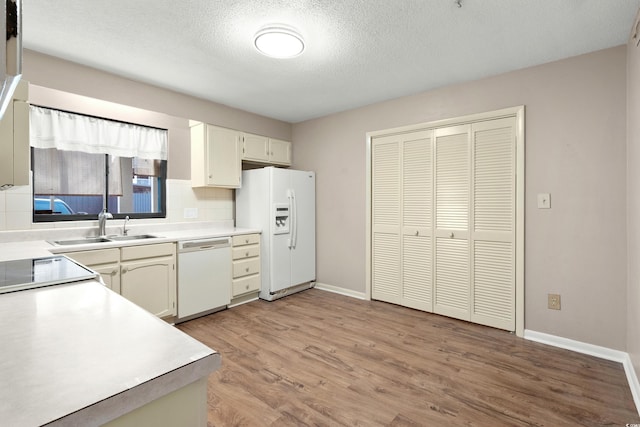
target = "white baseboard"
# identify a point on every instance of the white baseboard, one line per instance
(632, 378)
(341, 291)
(592, 350)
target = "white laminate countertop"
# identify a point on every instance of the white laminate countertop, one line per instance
(79, 354)
(42, 248)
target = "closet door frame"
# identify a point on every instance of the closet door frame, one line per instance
(519, 114)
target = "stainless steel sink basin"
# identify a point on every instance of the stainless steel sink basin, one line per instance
(89, 240)
(133, 237)
(84, 241)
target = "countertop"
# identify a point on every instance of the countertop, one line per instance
(37, 248)
(79, 354)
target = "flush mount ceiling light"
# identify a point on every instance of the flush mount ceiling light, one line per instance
(279, 42)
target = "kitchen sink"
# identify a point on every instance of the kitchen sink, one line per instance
(84, 241)
(89, 240)
(133, 237)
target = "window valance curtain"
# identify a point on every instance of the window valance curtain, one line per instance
(74, 132)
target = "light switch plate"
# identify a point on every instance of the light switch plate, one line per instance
(191, 212)
(544, 201)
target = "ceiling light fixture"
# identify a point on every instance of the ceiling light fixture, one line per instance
(279, 42)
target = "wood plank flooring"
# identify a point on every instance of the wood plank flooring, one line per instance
(322, 359)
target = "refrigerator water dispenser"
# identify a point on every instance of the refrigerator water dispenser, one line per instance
(281, 218)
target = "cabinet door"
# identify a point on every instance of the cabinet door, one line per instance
(224, 164)
(279, 152)
(14, 142)
(151, 284)
(255, 148)
(110, 274)
(103, 261)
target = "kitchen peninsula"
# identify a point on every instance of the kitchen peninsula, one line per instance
(83, 355)
(79, 354)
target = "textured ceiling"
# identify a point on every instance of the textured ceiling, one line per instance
(358, 51)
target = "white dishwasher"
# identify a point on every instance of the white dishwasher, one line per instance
(204, 276)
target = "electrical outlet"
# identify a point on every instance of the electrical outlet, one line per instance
(554, 301)
(191, 212)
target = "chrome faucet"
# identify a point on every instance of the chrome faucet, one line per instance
(102, 222)
(124, 226)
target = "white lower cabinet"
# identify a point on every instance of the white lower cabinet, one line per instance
(110, 274)
(144, 274)
(103, 261)
(148, 277)
(246, 265)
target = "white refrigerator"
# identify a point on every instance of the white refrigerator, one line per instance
(281, 202)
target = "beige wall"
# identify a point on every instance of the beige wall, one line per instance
(633, 200)
(575, 150)
(62, 84)
(55, 73)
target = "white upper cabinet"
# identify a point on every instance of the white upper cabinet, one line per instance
(255, 148)
(279, 152)
(260, 149)
(14, 140)
(215, 157)
(217, 154)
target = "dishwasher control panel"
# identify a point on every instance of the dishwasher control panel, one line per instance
(281, 218)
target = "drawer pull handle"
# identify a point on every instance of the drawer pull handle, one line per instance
(247, 269)
(247, 287)
(246, 254)
(246, 240)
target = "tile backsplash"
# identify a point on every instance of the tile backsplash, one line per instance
(184, 204)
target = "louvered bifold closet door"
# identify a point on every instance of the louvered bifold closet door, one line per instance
(385, 219)
(493, 223)
(417, 234)
(452, 188)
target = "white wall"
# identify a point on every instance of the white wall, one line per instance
(575, 150)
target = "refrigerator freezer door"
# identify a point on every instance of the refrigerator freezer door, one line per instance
(280, 261)
(303, 252)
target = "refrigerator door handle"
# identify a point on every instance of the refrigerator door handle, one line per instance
(294, 218)
(290, 239)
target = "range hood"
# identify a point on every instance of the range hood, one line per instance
(10, 52)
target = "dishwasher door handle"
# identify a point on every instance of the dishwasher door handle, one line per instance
(199, 245)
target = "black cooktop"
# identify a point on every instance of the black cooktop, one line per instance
(22, 274)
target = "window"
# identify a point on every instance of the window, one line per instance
(83, 164)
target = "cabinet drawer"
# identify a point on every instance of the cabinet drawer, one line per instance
(246, 239)
(243, 252)
(100, 256)
(246, 267)
(246, 284)
(148, 251)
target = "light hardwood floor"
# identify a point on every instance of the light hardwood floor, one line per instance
(321, 359)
